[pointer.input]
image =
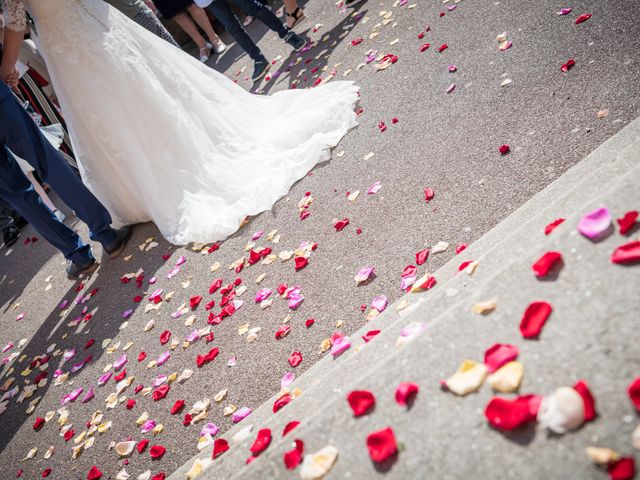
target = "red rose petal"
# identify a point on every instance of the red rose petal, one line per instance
(215, 286)
(422, 256)
(292, 458)
(405, 392)
(177, 407)
(464, 265)
(46, 472)
(262, 441)
(627, 222)
(165, 337)
(89, 343)
(119, 377)
(428, 194)
(622, 469)
(160, 392)
(195, 301)
(634, 393)
(290, 426)
(504, 149)
(381, 445)
(157, 451)
(442, 47)
(94, 473)
(361, 401)
(300, 263)
(309, 322)
(68, 435)
(220, 445)
(341, 224)
(627, 253)
(545, 263)
(425, 47)
(552, 226)
(130, 404)
(583, 18)
(37, 425)
(589, 402)
(568, 66)
(461, 248)
(142, 445)
(283, 331)
(499, 354)
(534, 319)
(159, 476)
(295, 359)
(281, 402)
(367, 337)
(505, 414)
(142, 356)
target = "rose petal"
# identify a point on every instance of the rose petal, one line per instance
(534, 319)
(627, 254)
(367, 337)
(552, 226)
(157, 451)
(545, 263)
(142, 445)
(262, 441)
(406, 392)
(364, 274)
(292, 458)
(634, 393)
(315, 466)
(282, 401)
(160, 392)
(507, 379)
(623, 469)
(589, 401)
(627, 221)
(300, 263)
(165, 337)
(583, 18)
(295, 359)
(241, 414)
(382, 445)
(594, 225)
(505, 414)
(290, 426)
(504, 149)
(380, 303)
(219, 447)
(467, 379)
(499, 354)
(339, 346)
(361, 401)
(94, 473)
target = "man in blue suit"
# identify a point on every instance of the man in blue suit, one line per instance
(20, 134)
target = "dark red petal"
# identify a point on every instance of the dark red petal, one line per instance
(177, 407)
(292, 458)
(281, 402)
(290, 426)
(165, 337)
(367, 337)
(361, 401)
(381, 445)
(220, 445)
(142, 356)
(622, 469)
(159, 476)
(627, 253)
(589, 402)
(94, 473)
(627, 222)
(309, 322)
(422, 256)
(428, 194)
(552, 226)
(46, 472)
(634, 393)
(583, 18)
(545, 263)
(142, 445)
(130, 404)
(157, 451)
(261, 442)
(507, 414)
(37, 425)
(300, 263)
(534, 319)
(405, 392)
(295, 359)
(341, 224)
(195, 301)
(504, 149)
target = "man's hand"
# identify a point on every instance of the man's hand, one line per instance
(10, 76)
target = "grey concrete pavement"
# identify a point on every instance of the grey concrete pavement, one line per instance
(447, 142)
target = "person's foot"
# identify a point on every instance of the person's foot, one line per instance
(295, 40)
(219, 46)
(75, 271)
(60, 216)
(260, 69)
(20, 221)
(117, 246)
(11, 235)
(294, 18)
(248, 20)
(205, 52)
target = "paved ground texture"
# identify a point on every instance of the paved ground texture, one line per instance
(447, 142)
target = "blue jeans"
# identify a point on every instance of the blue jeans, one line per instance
(254, 8)
(20, 134)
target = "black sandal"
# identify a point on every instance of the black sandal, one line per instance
(298, 17)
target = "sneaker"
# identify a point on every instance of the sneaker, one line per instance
(117, 246)
(11, 234)
(205, 52)
(60, 216)
(75, 271)
(295, 40)
(260, 68)
(219, 47)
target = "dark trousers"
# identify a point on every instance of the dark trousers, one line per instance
(20, 134)
(221, 10)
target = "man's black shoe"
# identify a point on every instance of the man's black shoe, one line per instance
(74, 271)
(260, 68)
(295, 40)
(117, 246)
(11, 235)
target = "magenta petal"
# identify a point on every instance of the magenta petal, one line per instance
(148, 426)
(407, 282)
(262, 294)
(209, 428)
(380, 303)
(164, 356)
(118, 364)
(174, 271)
(595, 224)
(181, 260)
(287, 379)
(159, 380)
(104, 378)
(127, 313)
(88, 396)
(499, 354)
(193, 336)
(340, 345)
(257, 235)
(241, 414)
(565, 11)
(451, 88)
(374, 188)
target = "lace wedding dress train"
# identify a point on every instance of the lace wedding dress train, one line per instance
(159, 136)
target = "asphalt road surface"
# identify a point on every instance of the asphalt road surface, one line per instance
(444, 141)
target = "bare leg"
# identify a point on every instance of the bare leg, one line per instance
(188, 26)
(201, 19)
(290, 7)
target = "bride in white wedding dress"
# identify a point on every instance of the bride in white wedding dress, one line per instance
(159, 136)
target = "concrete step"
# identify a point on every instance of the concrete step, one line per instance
(520, 233)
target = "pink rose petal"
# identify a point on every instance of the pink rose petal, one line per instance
(594, 225)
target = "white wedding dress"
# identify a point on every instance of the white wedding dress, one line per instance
(160, 136)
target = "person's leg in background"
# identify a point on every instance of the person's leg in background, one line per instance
(186, 23)
(295, 15)
(200, 17)
(8, 227)
(248, 20)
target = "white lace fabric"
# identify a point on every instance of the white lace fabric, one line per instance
(160, 136)
(15, 14)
